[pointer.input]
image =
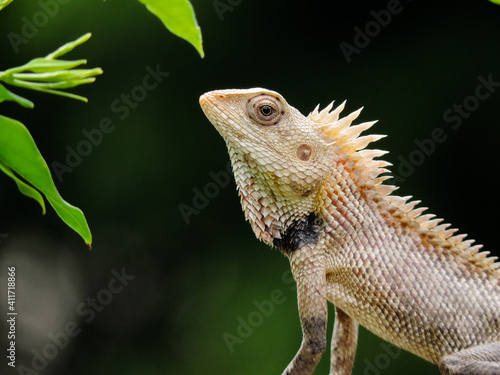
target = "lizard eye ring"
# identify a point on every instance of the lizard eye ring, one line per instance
(265, 109)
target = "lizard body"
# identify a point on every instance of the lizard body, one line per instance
(309, 187)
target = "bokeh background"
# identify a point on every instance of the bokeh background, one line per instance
(189, 284)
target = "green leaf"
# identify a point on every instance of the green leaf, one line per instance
(19, 154)
(41, 65)
(68, 47)
(178, 16)
(49, 75)
(23, 187)
(495, 2)
(4, 3)
(8, 95)
(59, 76)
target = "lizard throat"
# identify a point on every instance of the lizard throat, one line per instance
(304, 231)
(282, 209)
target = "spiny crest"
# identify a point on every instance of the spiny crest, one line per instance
(344, 134)
(347, 136)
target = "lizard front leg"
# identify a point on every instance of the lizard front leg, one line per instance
(344, 343)
(309, 272)
(478, 360)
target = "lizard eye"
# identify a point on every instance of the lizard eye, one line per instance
(265, 109)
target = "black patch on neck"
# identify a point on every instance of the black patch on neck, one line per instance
(302, 232)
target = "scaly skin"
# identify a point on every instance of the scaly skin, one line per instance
(309, 187)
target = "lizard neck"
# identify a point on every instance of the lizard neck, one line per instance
(284, 214)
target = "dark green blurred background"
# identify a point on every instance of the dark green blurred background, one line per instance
(196, 282)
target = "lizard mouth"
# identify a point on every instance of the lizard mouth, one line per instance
(211, 98)
(212, 107)
(205, 103)
(205, 100)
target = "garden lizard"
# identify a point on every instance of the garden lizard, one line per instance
(309, 187)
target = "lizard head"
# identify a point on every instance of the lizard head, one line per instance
(280, 158)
